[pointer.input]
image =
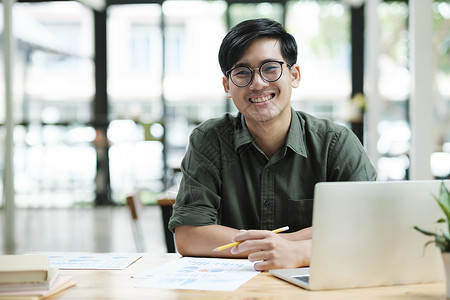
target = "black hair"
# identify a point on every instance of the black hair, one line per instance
(239, 38)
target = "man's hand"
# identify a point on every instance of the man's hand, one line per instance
(274, 251)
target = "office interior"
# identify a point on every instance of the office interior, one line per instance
(99, 97)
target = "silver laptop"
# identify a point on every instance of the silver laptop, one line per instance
(363, 236)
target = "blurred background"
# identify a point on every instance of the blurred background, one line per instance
(106, 93)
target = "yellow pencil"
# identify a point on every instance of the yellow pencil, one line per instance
(237, 243)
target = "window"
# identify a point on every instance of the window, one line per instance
(440, 160)
(193, 81)
(54, 158)
(145, 50)
(394, 144)
(244, 11)
(175, 49)
(322, 32)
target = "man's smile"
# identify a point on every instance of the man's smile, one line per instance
(260, 99)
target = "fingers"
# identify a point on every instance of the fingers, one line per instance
(272, 251)
(245, 235)
(254, 240)
(250, 246)
(265, 260)
(265, 265)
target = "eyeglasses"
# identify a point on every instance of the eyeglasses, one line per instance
(242, 76)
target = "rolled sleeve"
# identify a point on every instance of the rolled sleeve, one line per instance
(198, 199)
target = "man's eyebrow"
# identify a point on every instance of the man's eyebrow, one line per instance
(244, 64)
(241, 64)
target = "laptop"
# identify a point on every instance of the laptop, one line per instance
(363, 236)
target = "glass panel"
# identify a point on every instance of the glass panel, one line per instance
(394, 129)
(244, 11)
(440, 160)
(2, 91)
(136, 162)
(57, 62)
(322, 32)
(135, 69)
(54, 86)
(55, 165)
(193, 81)
(134, 62)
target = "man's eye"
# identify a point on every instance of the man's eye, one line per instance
(242, 73)
(269, 69)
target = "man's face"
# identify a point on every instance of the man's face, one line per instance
(263, 101)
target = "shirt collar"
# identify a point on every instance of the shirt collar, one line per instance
(296, 134)
(242, 135)
(295, 138)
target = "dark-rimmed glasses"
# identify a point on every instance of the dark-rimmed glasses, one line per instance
(242, 76)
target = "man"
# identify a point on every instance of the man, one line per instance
(257, 170)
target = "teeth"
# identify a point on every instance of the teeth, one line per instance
(259, 100)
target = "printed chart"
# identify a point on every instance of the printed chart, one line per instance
(91, 261)
(214, 274)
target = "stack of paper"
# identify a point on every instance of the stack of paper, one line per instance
(29, 275)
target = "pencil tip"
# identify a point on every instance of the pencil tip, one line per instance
(216, 249)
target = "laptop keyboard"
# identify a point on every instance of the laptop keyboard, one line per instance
(304, 278)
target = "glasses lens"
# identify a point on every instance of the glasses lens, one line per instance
(271, 71)
(241, 76)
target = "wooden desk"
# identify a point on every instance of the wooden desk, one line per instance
(118, 284)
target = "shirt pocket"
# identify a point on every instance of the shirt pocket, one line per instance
(299, 214)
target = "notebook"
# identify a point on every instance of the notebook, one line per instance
(363, 236)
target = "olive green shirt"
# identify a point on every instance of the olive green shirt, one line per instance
(228, 180)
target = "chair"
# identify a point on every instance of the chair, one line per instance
(165, 200)
(135, 206)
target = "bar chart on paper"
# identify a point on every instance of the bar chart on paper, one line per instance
(91, 261)
(213, 274)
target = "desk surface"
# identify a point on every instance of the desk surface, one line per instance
(118, 284)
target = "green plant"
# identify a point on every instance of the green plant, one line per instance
(441, 238)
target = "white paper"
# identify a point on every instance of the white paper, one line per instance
(212, 274)
(92, 261)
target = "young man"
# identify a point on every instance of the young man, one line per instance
(248, 174)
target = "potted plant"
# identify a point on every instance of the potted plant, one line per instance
(441, 237)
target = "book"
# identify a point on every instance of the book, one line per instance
(24, 269)
(30, 277)
(60, 283)
(32, 285)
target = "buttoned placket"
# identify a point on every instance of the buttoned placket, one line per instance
(267, 198)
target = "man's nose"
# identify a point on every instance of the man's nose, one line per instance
(257, 80)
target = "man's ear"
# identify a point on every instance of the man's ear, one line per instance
(295, 75)
(226, 86)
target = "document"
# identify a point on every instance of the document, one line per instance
(193, 273)
(92, 261)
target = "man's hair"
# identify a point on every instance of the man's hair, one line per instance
(239, 38)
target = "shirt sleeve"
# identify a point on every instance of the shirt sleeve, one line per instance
(347, 160)
(198, 199)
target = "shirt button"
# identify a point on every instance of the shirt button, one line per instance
(267, 202)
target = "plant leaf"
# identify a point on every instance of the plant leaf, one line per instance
(426, 244)
(442, 241)
(442, 246)
(444, 200)
(446, 237)
(445, 196)
(441, 238)
(426, 232)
